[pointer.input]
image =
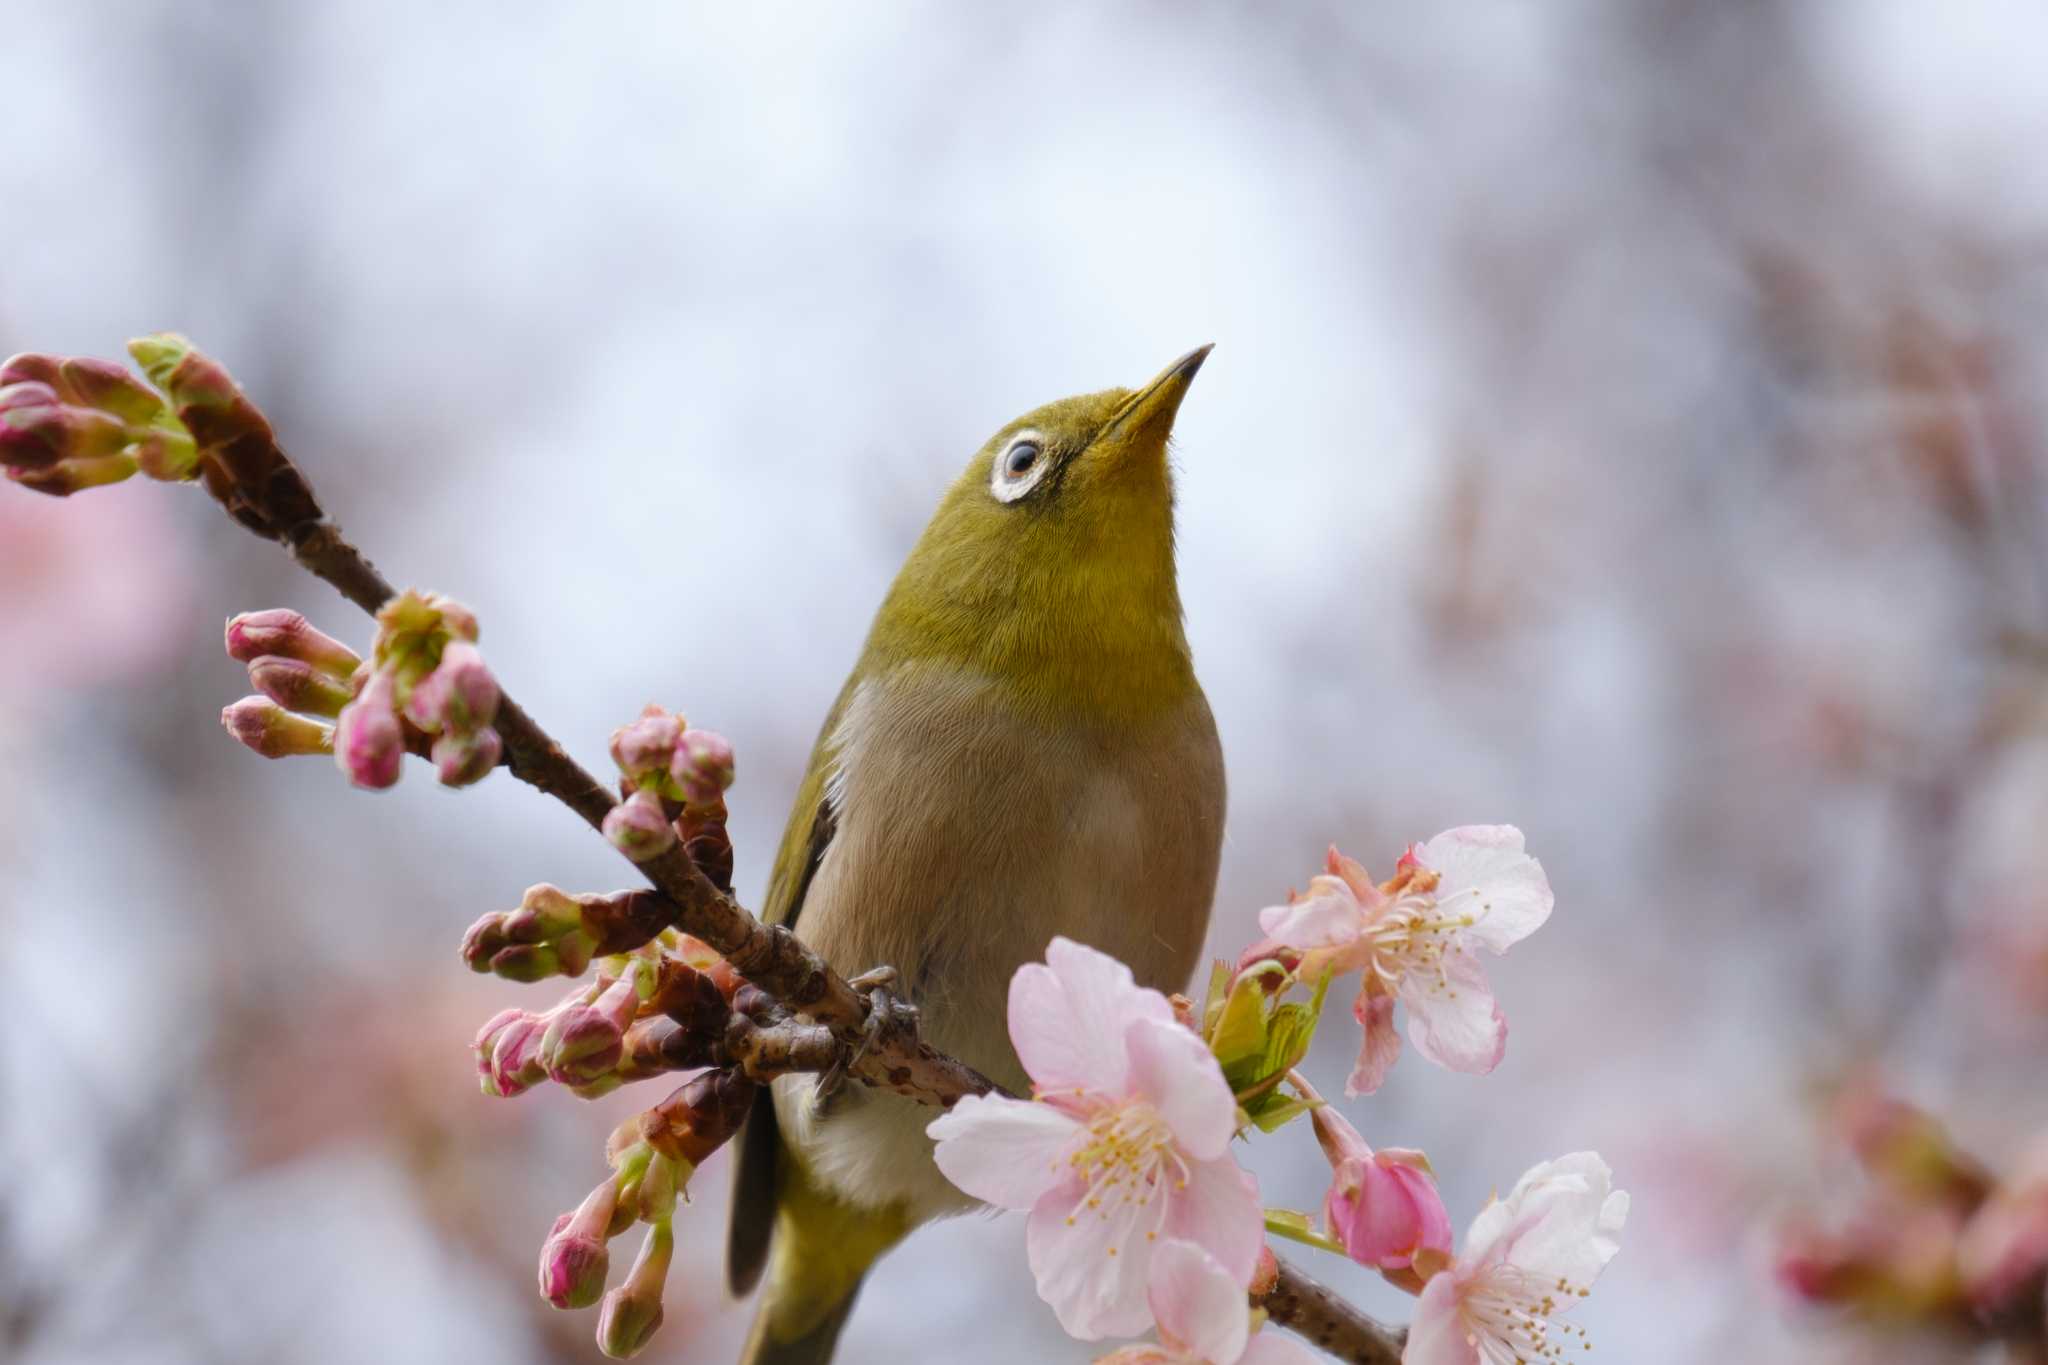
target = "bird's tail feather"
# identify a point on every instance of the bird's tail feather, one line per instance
(820, 1253)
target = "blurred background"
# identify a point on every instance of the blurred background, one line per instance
(1627, 420)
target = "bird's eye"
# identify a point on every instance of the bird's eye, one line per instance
(1019, 467)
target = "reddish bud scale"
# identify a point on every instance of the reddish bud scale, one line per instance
(698, 1119)
(706, 841)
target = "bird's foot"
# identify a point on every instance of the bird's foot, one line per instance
(889, 1016)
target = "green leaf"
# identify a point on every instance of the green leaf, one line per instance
(1240, 1034)
(1273, 1110)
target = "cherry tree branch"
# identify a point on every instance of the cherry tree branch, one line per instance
(1314, 1312)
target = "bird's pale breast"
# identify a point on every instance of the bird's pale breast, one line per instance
(968, 833)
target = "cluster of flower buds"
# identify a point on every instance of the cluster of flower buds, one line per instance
(303, 679)
(652, 1157)
(553, 933)
(69, 423)
(1937, 1240)
(663, 1007)
(424, 673)
(674, 781)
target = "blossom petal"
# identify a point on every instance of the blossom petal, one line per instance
(1068, 1018)
(1567, 1219)
(1198, 1307)
(1327, 916)
(1376, 1054)
(1452, 1017)
(1436, 1331)
(1004, 1151)
(1175, 1070)
(1486, 874)
(1218, 1210)
(1090, 1264)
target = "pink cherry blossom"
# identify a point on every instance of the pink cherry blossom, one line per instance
(1383, 1207)
(1415, 940)
(1527, 1260)
(1125, 1142)
(1203, 1317)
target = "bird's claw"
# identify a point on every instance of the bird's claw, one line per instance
(889, 1015)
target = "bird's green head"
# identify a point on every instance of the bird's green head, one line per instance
(1049, 564)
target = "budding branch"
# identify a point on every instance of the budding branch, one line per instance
(263, 490)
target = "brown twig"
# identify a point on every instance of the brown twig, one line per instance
(846, 1029)
(1312, 1311)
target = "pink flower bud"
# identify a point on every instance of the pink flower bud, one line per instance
(573, 1260)
(644, 749)
(270, 730)
(508, 1053)
(31, 367)
(34, 437)
(1382, 1206)
(639, 828)
(298, 686)
(369, 743)
(703, 766)
(66, 477)
(463, 759)
(110, 388)
(632, 1312)
(584, 1042)
(460, 695)
(288, 635)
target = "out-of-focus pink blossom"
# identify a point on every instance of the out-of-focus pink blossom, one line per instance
(2004, 1248)
(1416, 940)
(95, 591)
(1527, 1260)
(1126, 1141)
(1383, 1206)
(1202, 1316)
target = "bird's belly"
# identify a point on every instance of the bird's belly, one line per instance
(967, 837)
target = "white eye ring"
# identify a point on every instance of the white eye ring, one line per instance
(1010, 484)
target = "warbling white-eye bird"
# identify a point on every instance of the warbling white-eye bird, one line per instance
(1021, 751)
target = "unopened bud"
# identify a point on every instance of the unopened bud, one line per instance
(288, 635)
(573, 1260)
(632, 1312)
(507, 1053)
(369, 743)
(639, 828)
(703, 766)
(298, 686)
(645, 748)
(274, 732)
(463, 759)
(584, 1042)
(460, 695)
(527, 963)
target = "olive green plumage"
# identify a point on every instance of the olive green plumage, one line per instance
(1021, 751)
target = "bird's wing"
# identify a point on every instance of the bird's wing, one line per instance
(754, 1182)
